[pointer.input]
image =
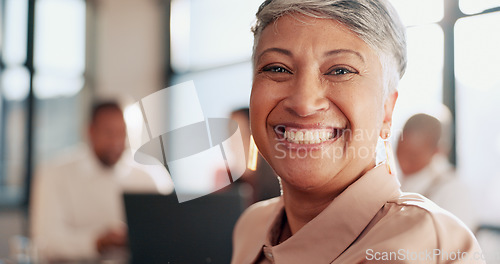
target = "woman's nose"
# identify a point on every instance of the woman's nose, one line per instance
(307, 96)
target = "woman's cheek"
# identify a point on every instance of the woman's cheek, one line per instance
(258, 109)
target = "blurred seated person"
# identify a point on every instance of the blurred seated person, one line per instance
(77, 209)
(263, 181)
(425, 168)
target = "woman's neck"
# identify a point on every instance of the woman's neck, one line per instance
(300, 210)
(303, 206)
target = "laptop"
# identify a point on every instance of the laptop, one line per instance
(162, 230)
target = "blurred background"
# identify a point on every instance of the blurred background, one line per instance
(58, 56)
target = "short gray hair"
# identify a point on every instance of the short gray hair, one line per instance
(376, 22)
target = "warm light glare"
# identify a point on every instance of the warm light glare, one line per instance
(252, 155)
(134, 121)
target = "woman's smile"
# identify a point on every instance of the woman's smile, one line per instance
(307, 137)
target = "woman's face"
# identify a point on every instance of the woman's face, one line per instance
(317, 104)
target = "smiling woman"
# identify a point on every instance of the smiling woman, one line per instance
(313, 93)
(323, 94)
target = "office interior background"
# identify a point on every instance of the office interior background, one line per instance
(58, 56)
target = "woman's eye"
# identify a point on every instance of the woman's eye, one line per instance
(341, 71)
(277, 69)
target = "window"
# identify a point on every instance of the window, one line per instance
(59, 61)
(15, 81)
(421, 88)
(477, 60)
(419, 12)
(212, 45)
(477, 6)
(208, 34)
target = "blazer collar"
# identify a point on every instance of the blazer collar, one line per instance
(337, 227)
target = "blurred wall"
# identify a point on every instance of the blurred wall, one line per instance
(126, 47)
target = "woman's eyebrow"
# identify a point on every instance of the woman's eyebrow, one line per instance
(341, 51)
(278, 50)
(327, 54)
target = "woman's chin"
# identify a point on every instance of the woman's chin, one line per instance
(303, 178)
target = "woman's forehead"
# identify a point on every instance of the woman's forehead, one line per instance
(298, 33)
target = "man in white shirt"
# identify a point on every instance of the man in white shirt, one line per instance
(77, 210)
(426, 169)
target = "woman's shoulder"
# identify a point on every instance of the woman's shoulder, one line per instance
(412, 229)
(260, 213)
(264, 206)
(252, 227)
(425, 212)
(412, 223)
(420, 207)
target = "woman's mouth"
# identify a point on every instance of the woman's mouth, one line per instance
(308, 136)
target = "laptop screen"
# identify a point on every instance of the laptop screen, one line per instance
(161, 230)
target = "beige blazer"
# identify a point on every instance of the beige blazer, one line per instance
(370, 222)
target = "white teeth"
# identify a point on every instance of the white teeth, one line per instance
(299, 136)
(308, 136)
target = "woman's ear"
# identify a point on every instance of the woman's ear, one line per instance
(389, 104)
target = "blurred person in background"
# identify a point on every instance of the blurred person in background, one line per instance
(263, 181)
(422, 155)
(77, 210)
